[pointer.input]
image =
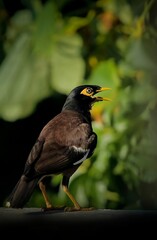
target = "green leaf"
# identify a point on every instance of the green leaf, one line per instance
(105, 74)
(47, 28)
(22, 80)
(68, 66)
(141, 54)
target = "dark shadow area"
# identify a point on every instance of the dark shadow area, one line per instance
(17, 139)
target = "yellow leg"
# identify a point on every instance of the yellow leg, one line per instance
(76, 205)
(43, 190)
(49, 206)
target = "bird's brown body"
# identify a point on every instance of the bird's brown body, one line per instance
(65, 132)
(63, 144)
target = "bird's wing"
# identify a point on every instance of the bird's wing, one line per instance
(33, 157)
(65, 142)
(66, 146)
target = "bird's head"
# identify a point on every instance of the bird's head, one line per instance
(90, 91)
(83, 97)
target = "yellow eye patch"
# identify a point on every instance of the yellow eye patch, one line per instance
(88, 91)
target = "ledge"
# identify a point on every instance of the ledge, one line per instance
(61, 222)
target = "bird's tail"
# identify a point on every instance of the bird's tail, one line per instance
(21, 193)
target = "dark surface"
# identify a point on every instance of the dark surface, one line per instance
(81, 223)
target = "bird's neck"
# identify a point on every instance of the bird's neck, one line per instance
(74, 106)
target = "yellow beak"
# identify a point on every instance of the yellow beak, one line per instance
(101, 98)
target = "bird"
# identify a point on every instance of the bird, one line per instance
(63, 144)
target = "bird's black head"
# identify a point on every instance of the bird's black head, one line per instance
(83, 97)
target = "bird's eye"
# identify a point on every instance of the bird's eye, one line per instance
(89, 90)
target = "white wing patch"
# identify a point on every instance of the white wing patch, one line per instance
(81, 150)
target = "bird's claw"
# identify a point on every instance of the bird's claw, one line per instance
(46, 209)
(72, 209)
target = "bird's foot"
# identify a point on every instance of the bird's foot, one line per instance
(52, 208)
(72, 209)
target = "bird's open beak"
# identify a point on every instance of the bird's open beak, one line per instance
(97, 98)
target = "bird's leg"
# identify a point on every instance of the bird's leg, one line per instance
(76, 206)
(44, 193)
(47, 202)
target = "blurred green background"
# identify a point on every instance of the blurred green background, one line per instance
(48, 48)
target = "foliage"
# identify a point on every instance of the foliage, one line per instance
(52, 48)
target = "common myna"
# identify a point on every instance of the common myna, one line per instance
(63, 144)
